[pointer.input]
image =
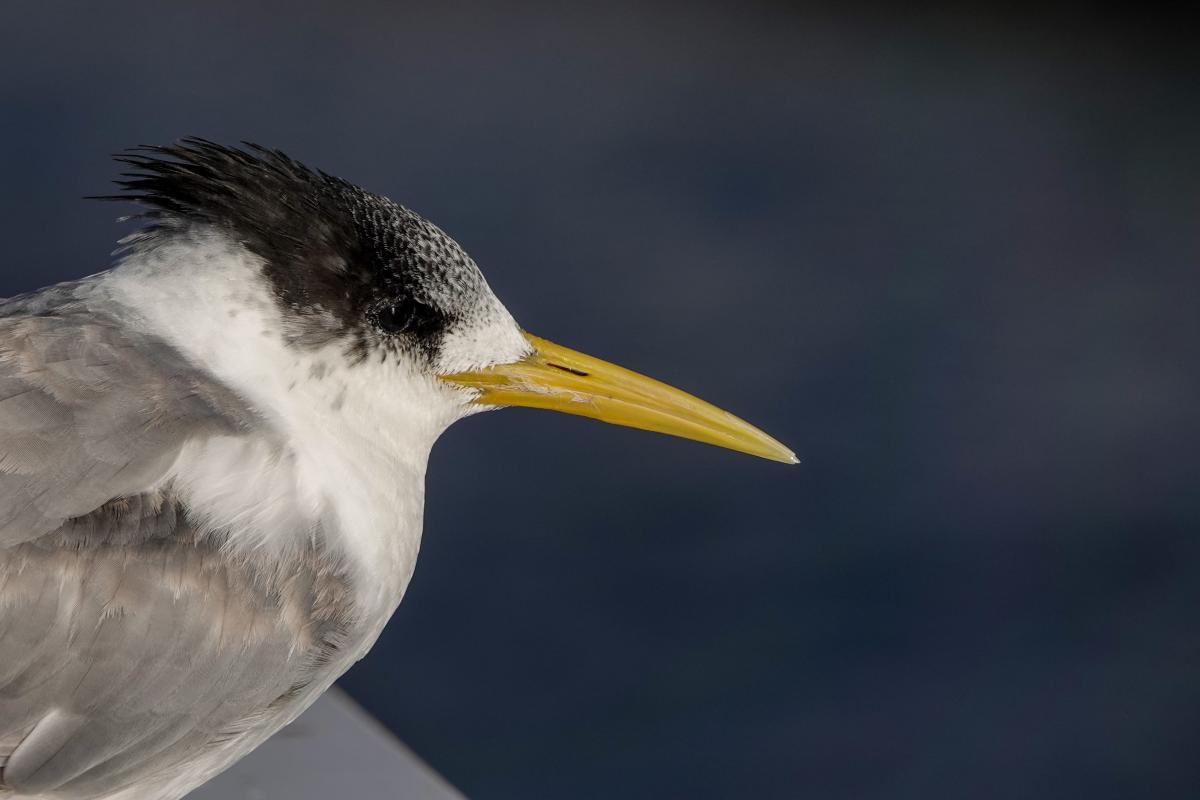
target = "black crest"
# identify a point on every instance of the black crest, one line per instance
(333, 252)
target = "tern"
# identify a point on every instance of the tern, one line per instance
(213, 456)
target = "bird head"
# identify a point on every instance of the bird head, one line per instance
(358, 272)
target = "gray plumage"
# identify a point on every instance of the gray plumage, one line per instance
(129, 638)
(89, 404)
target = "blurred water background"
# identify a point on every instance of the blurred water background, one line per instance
(951, 258)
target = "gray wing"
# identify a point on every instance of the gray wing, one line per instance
(90, 411)
(129, 642)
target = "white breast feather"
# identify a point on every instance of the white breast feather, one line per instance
(346, 446)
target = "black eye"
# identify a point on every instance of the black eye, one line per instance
(396, 318)
(411, 319)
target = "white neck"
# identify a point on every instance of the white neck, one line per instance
(345, 447)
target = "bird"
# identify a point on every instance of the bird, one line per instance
(213, 459)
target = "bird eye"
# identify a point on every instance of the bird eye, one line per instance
(396, 318)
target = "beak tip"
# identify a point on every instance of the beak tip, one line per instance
(776, 450)
(785, 456)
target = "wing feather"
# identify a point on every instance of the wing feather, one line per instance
(91, 411)
(130, 641)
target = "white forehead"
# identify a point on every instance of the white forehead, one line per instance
(490, 336)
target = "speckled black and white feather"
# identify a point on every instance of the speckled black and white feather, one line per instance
(347, 262)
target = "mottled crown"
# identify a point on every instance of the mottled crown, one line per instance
(330, 249)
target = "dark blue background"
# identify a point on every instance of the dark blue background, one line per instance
(951, 259)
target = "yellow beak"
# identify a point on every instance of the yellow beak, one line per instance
(561, 379)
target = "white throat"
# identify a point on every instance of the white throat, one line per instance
(344, 447)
